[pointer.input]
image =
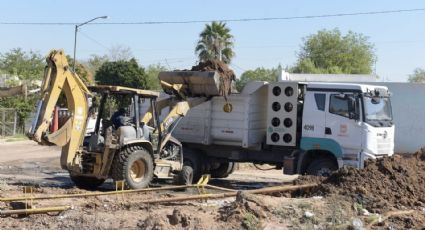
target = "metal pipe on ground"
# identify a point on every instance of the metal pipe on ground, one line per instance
(61, 196)
(33, 210)
(268, 190)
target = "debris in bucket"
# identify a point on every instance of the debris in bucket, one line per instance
(226, 74)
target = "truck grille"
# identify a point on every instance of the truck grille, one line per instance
(385, 146)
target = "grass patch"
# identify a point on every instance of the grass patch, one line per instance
(250, 221)
(17, 137)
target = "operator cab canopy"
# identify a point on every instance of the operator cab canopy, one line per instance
(123, 90)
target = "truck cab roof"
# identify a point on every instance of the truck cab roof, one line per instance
(326, 86)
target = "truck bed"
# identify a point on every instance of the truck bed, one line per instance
(244, 126)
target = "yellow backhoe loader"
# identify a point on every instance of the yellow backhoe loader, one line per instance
(134, 148)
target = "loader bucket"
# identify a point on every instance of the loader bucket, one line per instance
(197, 83)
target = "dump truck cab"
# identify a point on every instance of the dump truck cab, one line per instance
(351, 122)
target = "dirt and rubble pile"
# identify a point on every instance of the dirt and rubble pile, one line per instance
(247, 211)
(226, 74)
(388, 183)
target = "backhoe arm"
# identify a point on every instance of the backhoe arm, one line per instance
(177, 112)
(179, 105)
(58, 78)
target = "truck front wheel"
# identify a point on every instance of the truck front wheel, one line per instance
(322, 167)
(134, 165)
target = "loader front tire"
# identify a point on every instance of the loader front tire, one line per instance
(223, 171)
(134, 165)
(185, 176)
(192, 159)
(87, 183)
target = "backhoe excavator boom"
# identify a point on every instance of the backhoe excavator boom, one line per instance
(59, 78)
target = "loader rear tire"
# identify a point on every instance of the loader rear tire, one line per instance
(87, 183)
(135, 166)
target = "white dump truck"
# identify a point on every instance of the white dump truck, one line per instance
(302, 127)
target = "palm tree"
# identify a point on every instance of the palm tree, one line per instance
(215, 43)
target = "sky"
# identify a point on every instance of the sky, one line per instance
(399, 38)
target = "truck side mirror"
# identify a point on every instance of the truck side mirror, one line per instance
(352, 111)
(353, 116)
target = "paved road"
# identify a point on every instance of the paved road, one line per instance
(24, 150)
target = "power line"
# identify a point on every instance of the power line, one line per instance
(222, 20)
(240, 68)
(94, 40)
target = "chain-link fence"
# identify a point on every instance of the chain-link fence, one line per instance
(8, 122)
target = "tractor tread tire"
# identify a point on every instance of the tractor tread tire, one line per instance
(185, 177)
(120, 166)
(193, 160)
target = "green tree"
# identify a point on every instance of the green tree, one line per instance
(259, 74)
(116, 53)
(418, 76)
(215, 43)
(122, 73)
(23, 106)
(26, 65)
(328, 51)
(152, 72)
(95, 62)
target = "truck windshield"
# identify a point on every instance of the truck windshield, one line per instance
(378, 111)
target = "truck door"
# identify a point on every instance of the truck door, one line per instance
(343, 123)
(314, 114)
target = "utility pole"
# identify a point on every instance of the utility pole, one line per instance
(75, 36)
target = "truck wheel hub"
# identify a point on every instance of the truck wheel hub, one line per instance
(324, 172)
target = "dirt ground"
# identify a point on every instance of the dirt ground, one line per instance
(25, 163)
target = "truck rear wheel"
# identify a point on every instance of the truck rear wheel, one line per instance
(88, 183)
(322, 167)
(223, 171)
(134, 165)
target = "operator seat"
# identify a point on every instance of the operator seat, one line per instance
(128, 133)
